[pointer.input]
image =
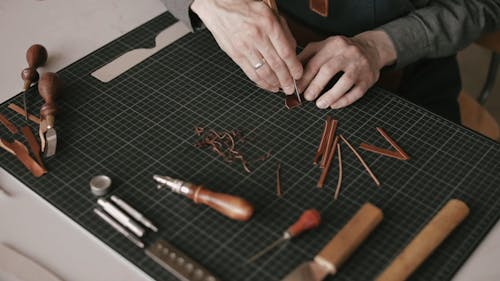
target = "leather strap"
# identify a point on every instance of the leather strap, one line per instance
(6, 147)
(35, 147)
(21, 111)
(6, 122)
(22, 154)
(320, 7)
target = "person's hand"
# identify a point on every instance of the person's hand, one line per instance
(255, 38)
(360, 58)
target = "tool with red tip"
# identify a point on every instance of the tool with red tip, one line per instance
(36, 56)
(308, 220)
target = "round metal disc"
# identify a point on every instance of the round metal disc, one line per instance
(99, 185)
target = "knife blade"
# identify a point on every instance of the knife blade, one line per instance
(340, 248)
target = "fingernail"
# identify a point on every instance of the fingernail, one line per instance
(322, 104)
(289, 90)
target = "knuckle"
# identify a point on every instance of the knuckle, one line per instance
(328, 68)
(353, 50)
(287, 53)
(252, 31)
(339, 40)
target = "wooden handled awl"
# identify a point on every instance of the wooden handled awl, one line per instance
(230, 206)
(426, 241)
(341, 247)
(36, 56)
(309, 219)
(49, 88)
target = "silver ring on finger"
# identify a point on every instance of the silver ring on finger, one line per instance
(259, 64)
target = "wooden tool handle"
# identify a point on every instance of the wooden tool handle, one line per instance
(36, 56)
(308, 220)
(29, 75)
(338, 250)
(49, 88)
(231, 206)
(426, 241)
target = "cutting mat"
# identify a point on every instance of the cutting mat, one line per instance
(142, 124)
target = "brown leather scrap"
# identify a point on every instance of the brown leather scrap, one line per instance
(35, 147)
(322, 144)
(21, 111)
(6, 122)
(320, 7)
(6, 147)
(398, 154)
(21, 152)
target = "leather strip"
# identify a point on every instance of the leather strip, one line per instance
(320, 7)
(329, 158)
(339, 181)
(21, 111)
(35, 147)
(393, 143)
(377, 182)
(381, 151)
(278, 180)
(22, 154)
(330, 139)
(292, 101)
(6, 122)
(6, 147)
(322, 143)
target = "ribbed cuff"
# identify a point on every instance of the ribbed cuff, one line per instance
(409, 38)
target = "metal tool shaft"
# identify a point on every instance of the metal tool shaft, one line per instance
(230, 206)
(119, 228)
(134, 213)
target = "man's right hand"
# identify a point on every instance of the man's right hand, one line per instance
(252, 35)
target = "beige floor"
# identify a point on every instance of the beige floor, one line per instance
(474, 62)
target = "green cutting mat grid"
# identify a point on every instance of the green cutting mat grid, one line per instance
(142, 124)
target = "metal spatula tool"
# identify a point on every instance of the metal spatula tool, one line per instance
(340, 248)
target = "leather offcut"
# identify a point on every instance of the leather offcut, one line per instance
(320, 7)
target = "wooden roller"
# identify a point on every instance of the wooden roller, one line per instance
(426, 241)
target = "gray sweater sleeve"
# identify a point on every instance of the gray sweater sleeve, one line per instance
(441, 28)
(180, 10)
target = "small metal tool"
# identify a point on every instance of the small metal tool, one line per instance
(230, 206)
(290, 101)
(36, 56)
(178, 263)
(49, 88)
(119, 228)
(308, 220)
(100, 185)
(134, 213)
(121, 217)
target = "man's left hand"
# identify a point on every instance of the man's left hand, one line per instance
(360, 58)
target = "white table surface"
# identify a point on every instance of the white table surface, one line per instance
(70, 29)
